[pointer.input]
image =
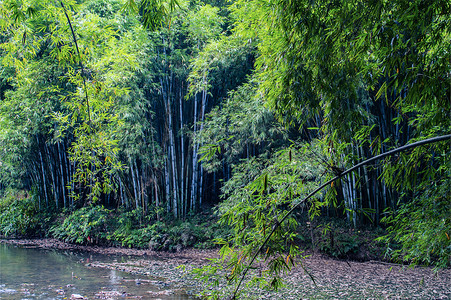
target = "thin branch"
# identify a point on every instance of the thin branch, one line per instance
(79, 60)
(355, 167)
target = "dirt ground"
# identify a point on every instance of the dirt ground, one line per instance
(333, 279)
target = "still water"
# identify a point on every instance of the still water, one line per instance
(28, 273)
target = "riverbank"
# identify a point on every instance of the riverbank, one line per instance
(334, 279)
(50, 243)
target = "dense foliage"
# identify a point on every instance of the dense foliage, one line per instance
(102, 114)
(100, 226)
(19, 215)
(364, 78)
(122, 121)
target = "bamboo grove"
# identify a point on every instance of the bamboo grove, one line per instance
(170, 107)
(135, 149)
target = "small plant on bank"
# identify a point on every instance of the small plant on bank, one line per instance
(198, 232)
(20, 215)
(338, 244)
(89, 224)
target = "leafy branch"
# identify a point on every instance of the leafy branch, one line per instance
(355, 167)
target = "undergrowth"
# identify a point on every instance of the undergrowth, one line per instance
(20, 215)
(101, 226)
(97, 225)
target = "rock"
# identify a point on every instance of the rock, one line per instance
(161, 293)
(110, 294)
(60, 291)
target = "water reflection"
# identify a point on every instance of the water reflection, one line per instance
(43, 274)
(114, 278)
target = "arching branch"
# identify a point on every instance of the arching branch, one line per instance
(79, 61)
(353, 168)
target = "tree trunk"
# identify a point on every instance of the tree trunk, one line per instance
(173, 162)
(157, 203)
(194, 163)
(132, 173)
(167, 182)
(182, 150)
(63, 189)
(43, 179)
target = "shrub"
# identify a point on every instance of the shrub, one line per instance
(195, 232)
(87, 225)
(340, 245)
(19, 215)
(419, 231)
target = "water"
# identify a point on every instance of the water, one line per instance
(28, 273)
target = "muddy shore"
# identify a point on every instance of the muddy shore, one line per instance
(48, 243)
(334, 279)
